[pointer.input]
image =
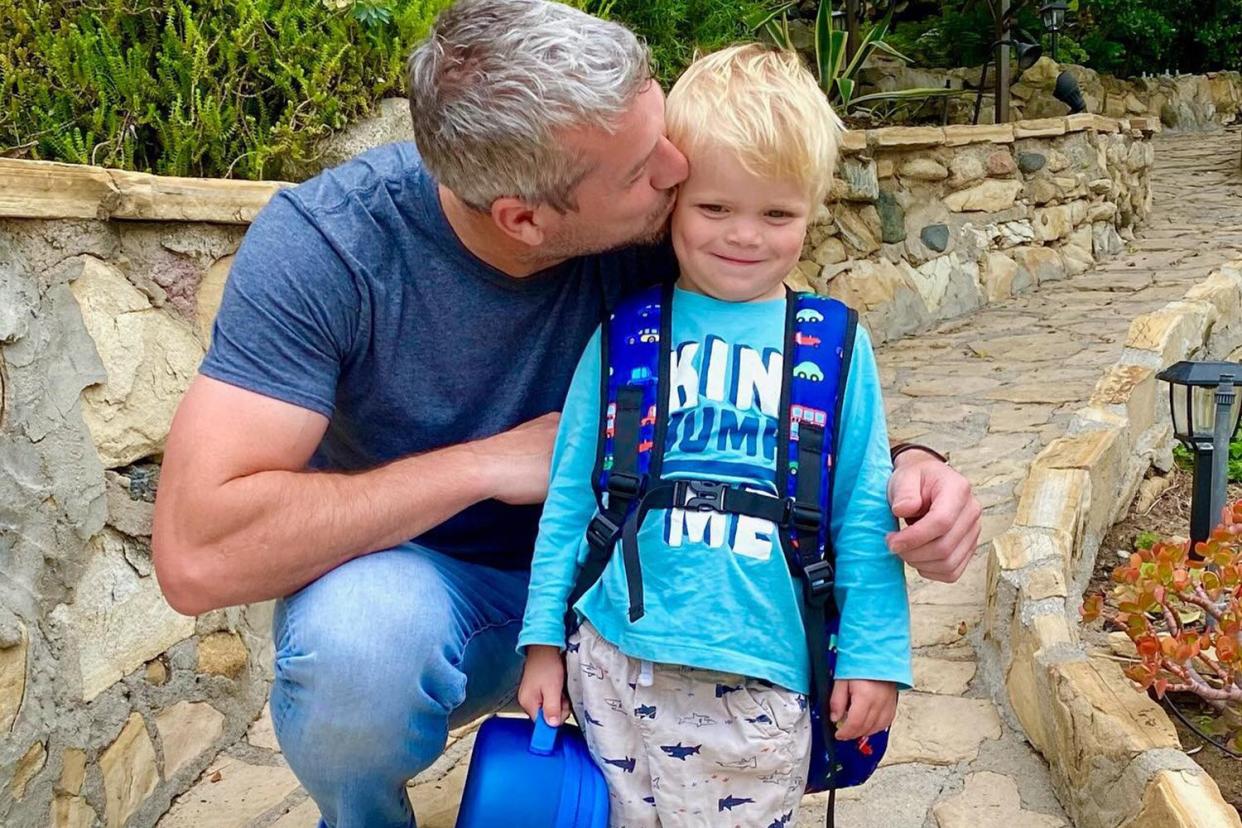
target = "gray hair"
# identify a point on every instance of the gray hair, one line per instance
(496, 80)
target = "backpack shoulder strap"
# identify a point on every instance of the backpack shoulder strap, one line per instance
(634, 364)
(819, 343)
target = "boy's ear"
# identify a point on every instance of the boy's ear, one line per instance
(520, 220)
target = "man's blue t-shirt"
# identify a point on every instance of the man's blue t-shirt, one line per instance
(352, 296)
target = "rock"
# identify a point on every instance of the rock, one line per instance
(222, 654)
(1041, 190)
(998, 277)
(1030, 162)
(860, 179)
(1105, 240)
(990, 799)
(1057, 161)
(831, 251)
(187, 730)
(27, 768)
(936, 237)
(127, 514)
(937, 675)
(1183, 799)
(940, 730)
(118, 620)
(966, 168)
(1001, 164)
(390, 123)
(71, 812)
(932, 279)
(1102, 211)
(923, 169)
(892, 219)
(13, 651)
(129, 774)
(262, 733)
(150, 356)
(72, 772)
(1053, 223)
(909, 137)
(867, 284)
(245, 792)
(157, 672)
(210, 292)
(1013, 233)
(1043, 73)
(860, 230)
(1038, 264)
(1149, 491)
(990, 196)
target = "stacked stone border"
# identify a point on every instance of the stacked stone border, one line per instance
(1114, 754)
(111, 704)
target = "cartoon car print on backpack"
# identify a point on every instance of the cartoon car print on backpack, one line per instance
(808, 371)
(643, 335)
(801, 338)
(809, 315)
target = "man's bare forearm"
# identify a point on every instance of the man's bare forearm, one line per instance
(270, 533)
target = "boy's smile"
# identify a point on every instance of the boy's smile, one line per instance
(737, 234)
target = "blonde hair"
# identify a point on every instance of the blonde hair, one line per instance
(762, 104)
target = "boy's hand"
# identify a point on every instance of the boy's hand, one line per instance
(866, 706)
(543, 684)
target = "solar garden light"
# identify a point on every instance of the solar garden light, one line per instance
(1205, 407)
(1053, 16)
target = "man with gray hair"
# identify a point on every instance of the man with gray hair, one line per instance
(369, 438)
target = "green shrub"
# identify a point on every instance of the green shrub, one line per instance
(674, 29)
(226, 88)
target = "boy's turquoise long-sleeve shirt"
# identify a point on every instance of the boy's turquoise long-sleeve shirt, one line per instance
(718, 592)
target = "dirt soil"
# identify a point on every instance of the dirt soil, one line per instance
(1168, 516)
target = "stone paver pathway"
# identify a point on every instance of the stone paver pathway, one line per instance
(993, 389)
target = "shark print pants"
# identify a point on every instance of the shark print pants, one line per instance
(681, 746)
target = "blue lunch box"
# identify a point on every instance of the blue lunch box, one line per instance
(532, 775)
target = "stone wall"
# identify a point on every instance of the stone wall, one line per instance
(111, 703)
(928, 223)
(1114, 754)
(1180, 102)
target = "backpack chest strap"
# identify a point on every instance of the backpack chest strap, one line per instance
(711, 496)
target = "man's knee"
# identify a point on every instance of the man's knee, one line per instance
(363, 677)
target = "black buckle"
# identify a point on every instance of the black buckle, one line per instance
(601, 532)
(624, 484)
(805, 518)
(701, 495)
(819, 577)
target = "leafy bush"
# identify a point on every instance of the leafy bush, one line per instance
(241, 88)
(674, 29)
(227, 88)
(1187, 461)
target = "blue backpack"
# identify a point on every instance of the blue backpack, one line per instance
(634, 393)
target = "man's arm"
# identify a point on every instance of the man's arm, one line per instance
(941, 513)
(239, 519)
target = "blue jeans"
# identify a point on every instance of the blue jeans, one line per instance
(376, 661)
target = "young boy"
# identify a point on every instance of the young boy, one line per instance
(697, 711)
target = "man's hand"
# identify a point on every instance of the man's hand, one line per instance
(543, 684)
(866, 706)
(941, 515)
(518, 461)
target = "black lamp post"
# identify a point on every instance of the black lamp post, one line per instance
(1205, 407)
(1053, 16)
